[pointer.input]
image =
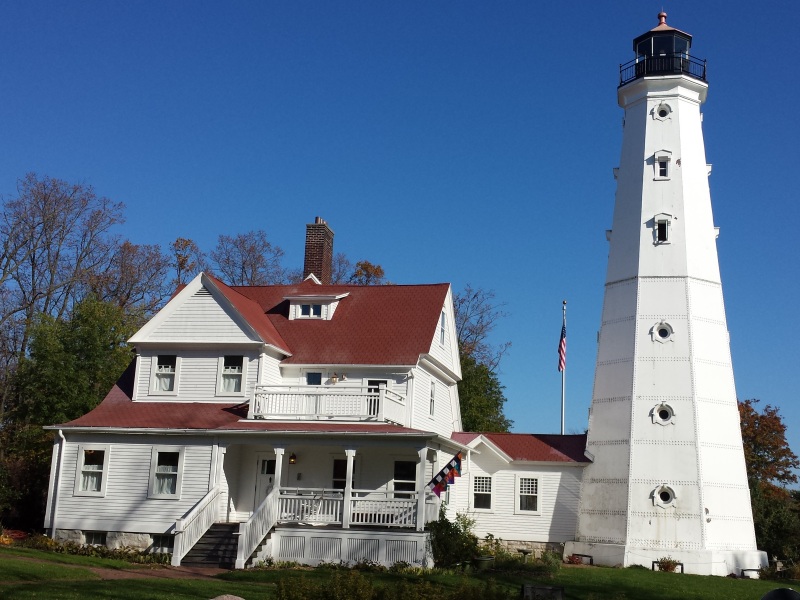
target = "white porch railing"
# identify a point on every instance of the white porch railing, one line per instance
(328, 402)
(193, 525)
(383, 509)
(316, 506)
(254, 530)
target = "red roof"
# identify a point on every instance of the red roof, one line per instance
(117, 410)
(372, 325)
(533, 446)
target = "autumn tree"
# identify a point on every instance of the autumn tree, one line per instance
(367, 273)
(248, 259)
(766, 451)
(477, 313)
(187, 260)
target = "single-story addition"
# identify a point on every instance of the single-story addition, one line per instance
(521, 488)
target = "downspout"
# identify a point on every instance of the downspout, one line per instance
(62, 442)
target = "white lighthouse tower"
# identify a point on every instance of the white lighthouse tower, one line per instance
(668, 475)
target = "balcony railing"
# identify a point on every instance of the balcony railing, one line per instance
(342, 403)
(667, 64)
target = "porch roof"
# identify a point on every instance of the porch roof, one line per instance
(118, 411)
(533, 447)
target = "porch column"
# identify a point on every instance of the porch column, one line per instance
(278, 468)
(423, 458)
(348, 488)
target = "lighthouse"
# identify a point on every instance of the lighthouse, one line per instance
(667, 476)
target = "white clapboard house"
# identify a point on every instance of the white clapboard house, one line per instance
(293, 422)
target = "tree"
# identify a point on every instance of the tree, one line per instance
(249, 259)
(476, 315)
(341, 269)
(71, 366)
(367, 273)
(481, 396)
(766, 451)
(188, 259)
(136, 278)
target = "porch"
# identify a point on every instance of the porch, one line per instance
(342, 402)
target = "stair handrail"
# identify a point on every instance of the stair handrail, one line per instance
(194, 524)
(255, 529)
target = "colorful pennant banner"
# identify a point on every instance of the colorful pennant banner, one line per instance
(446, 476)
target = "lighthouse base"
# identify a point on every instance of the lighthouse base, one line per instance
(696, 562)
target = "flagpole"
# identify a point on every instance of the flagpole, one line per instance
(564, 370)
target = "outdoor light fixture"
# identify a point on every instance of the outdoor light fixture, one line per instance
(335, 379)
(292, 458)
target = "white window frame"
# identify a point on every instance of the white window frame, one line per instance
(518, 494)
(666, 220)
(662, 157)
(154, 391)
(82, 449)
(321, 306)
(473, 492)
(432, 407)
(151, 488)
(442, 329)
(221, 371)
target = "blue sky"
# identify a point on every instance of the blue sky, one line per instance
(468, 142)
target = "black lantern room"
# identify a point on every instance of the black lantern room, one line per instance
(663, 50)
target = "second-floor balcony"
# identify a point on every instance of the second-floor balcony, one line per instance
(343, 403)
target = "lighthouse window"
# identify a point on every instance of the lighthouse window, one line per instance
(662, 332)
(662, 414)
(661, 231)
(661, 160)
(663, 496)
(662, 167)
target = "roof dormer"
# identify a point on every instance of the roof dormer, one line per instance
(315, 306)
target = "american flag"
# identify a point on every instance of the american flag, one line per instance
(562, 349)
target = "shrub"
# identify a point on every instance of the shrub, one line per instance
(126, 553)
(667, 564)
(452, 542)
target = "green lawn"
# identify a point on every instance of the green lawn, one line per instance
(68, 577)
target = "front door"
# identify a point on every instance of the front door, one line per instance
(265, 476)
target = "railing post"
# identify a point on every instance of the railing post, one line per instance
(381, 401)
(423, 457)
(348, 489)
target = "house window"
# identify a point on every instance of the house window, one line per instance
(433, 398)
(527, 494)
(165, 374)
(313, 378)
(482, 492)
(339, 473)
(405, 478)
(166, 467)
(231, 376)
(92, 471)
(311, 311)
(442, 322)
(94, 538)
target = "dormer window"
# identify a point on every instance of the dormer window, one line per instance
(317, 306)
(311, 311)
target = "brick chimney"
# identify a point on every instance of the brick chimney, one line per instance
(319, 251)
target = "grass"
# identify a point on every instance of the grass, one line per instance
(68, 577)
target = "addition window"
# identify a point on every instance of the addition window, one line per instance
(313, 378)
(405, 478)
(527, 495)
(94, 538)
(442, 331)
(162, 544)
(166, 470)
(230, 380)
(339, 473)
(92, 470)
(433, 398)
(482, 492)
(165, 374)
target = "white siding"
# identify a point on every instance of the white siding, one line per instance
(201, 309)
(126, 506)
(197, 375)
(559, 488)
(442, 420)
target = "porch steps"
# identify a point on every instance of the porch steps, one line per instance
(217, 548)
